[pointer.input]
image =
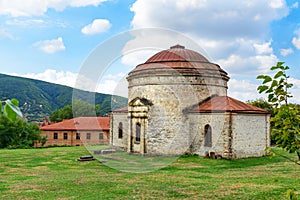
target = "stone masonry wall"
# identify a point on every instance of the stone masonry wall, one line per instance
(114, 128)
(71, 139)
(197, 122)
(250, 135)
(167, 131)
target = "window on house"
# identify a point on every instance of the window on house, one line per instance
(55, 136)
(77, 136)
(65, 136)
(88, 136)
(120, 135)
(101, 137)
(138, 132)
(207, 136)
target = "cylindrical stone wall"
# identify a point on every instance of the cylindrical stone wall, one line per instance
(168, 127)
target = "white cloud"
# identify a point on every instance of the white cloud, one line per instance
(113, 87)
(137, 57)
(250, 65)
(53, 76)
(51, 46)
(5, 34)
(277, 3)
(285, 52)
(295, 90)
(113, 84)
(18, 8)
(296, 42)
(209, 19)
(233, 32)
(97, 26)
(295, 5)
(243, 90)
(263, 48)
(109, 84)
(115, 77)
(247, 90)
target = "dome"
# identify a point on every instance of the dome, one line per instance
(177, 53)
(184, 61)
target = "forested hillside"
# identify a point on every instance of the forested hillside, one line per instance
(37, 99)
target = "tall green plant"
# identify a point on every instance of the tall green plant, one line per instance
(286, 120)
(276, 87)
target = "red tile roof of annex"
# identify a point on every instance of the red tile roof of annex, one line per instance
(80, 123)
(226, 104)
(121, 110)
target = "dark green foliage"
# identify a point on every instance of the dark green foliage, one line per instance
(38, 98)
(262, 103)
(286, 128)
(18, 133)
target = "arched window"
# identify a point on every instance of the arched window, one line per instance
(207, 136)
(120, 130)
(138, 132)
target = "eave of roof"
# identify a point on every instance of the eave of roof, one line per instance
(221, 104)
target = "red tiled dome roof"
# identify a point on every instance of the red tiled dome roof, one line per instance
(177, 53)
(184, 61)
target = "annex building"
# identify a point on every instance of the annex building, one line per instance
(178, 103)
(77, 131)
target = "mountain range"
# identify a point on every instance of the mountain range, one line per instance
(37, 99)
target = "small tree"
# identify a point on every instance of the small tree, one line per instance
(286, 120)
(15, 132)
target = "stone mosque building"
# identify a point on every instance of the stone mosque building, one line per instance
(178, 103)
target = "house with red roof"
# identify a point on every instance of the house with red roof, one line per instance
(77, 131)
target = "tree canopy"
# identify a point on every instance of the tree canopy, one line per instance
(15, 132)
(77, 109)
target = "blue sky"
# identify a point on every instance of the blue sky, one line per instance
(51, 39)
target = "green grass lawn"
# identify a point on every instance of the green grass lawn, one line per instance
(54, 173)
